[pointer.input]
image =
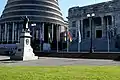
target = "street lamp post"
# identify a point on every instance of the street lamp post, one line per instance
(90, 16)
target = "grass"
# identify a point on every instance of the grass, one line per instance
(61, 73)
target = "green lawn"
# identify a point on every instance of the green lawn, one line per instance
(61, 73)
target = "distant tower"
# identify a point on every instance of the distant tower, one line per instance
(45, 19)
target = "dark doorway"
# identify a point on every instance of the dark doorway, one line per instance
(46, 33)
(98, 33)
(88, 34)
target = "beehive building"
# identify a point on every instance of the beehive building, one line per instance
(45, 23)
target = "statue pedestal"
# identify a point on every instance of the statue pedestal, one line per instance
(24, 50)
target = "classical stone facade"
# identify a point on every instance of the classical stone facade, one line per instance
(46, 21)
(105, 24)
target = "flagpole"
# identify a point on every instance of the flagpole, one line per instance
(108, 36)
(78, 35)
(78, 44)
(67, 41)
(78, 38)
(57, 38)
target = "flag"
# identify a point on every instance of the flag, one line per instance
(70, 37)
(79, 36)
(65, 36)
(49, 37)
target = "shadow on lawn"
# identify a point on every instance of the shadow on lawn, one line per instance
(8, 61)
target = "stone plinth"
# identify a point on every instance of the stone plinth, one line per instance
(24, 50)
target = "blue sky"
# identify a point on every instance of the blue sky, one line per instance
(64, 4)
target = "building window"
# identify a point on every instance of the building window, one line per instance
(86, 23)
(98, 33)
(97, 21)
(74, 24)
(74, 33)
(108, 20)
(88, 34)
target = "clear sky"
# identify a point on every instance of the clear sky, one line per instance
(64, 4)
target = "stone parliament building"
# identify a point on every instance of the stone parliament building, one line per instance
(105, 26)
(46, 21)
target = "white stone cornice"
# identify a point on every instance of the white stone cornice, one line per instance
(47, 1)
(35, 16)
(33, 10)
(34, 5)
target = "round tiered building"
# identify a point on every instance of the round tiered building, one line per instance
(45, 20)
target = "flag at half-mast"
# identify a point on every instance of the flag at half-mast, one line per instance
(79, 36)
(70, 37)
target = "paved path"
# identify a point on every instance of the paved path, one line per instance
(45, 61)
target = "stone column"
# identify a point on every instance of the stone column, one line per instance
(113, 25)
(57, 36)
(0, 33)
(16, 34)
(40, 29)
(112, 21)
(5, 38)
(103, 27)
(37, 34)
(82, 30)
(40, 35)
(59, 30)
(52, 31)
(43, 31)
(13, 32)
(18, 31)
(78, 27)
(7, 34)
